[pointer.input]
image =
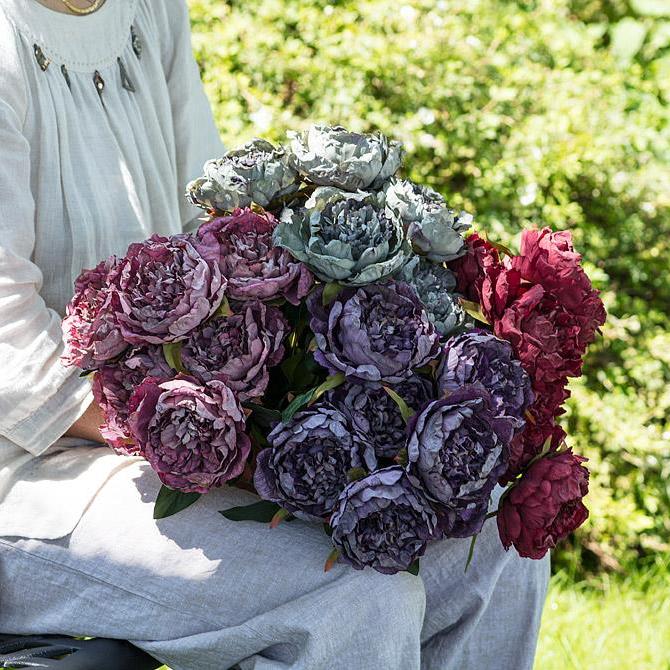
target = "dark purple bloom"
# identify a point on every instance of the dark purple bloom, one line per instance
(375, 333)
(115, 382)
(238, 349)
(192, 435)
(306, 466)
(254, 266)
(165, 287)
(90, 331)
(479, 357)
(376, 415)
(457, 448)
(383, 521)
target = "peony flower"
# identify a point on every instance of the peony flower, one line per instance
(192, 435)
(257, 173)
(376, 415)
(306, 466)
(457, 449)
(376, 333)
(545, 506)
(113, 385)
(435, 286)
(238, 349)
(333, 156)
(165, 287)
(90, 331)
(343, 237)
(479, 357)
(254, 267)
(472, 268)
(383, 521)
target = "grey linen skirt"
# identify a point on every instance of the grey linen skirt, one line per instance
(200, 592)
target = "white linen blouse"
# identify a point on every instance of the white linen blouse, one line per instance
(103, 121)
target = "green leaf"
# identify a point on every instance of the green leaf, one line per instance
(471, 552)
(355, 474)
(262, 511)
(170, 502)
(627, 38)
(332, 382)
(402, 457)
(223, 309)
(405, 410)
(330, 292)
(474, 310)
(263, 416)
(296, 404)
(414, 568)
(651, 7)
(501, 248)
(172, 353)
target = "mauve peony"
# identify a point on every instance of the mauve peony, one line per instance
(545, 505)
(457, 448)
(114, 383)
(306, 466)
(376, 333)
(192, 435)
(383, 521)
(165, 287)
(479, 357)
(90, 331)
(254, 267)
(376, 415)
(238, 349)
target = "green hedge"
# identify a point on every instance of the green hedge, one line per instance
(544, 112)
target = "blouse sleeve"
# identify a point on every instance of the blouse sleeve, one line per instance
(39, 397)
(196, 136)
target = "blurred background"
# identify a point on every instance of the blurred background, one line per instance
(535, 112)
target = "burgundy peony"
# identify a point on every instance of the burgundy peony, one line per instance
(90, 331)
(165, 287)
(238, 349)
(192, 435)
(471, 268)
(254, 267)
(113, 385)
(545, 506)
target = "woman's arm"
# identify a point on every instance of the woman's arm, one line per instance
(87, 426)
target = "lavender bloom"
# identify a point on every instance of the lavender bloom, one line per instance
(90, 331)
(383, 521)
(254, 267)
(165, 287)
(479, 357)
(376, 415)
(457, 448)
(114, 384)
(376, 333)
(193, 436)
(306, 466)
(238, 349)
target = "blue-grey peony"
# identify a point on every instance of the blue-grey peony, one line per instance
(435, 286)
(305, 468)
(376, 333)
(334, 156)
(457, 448)
(257, 173)
(376, 415)
(480, 357)
(383, 521)
(351, 238)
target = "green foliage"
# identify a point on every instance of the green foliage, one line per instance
(538, 112)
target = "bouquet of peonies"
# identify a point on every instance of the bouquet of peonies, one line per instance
(315, 341)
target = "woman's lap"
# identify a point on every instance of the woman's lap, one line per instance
(200, 591)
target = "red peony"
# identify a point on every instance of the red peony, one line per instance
(545, 506)
(471, 268)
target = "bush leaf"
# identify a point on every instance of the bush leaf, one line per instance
(169, 502)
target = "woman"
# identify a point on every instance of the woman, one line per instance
(103, 120)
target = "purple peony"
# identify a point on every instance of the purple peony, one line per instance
(306, 466)
(457, 448)
(90, 331)
(113, 385)
(254, 267)
(383, 521)
(165, 287)
(375, 333)
(376, 415)
(479, 357)
(238, 349)
(192, 435)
